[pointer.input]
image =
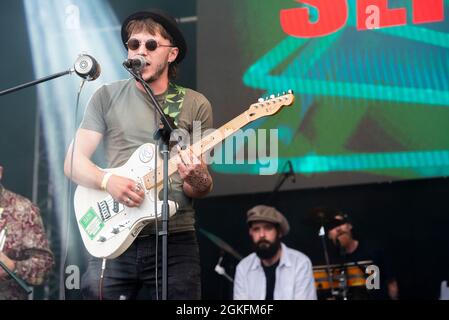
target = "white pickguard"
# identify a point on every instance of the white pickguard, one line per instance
(107, 227)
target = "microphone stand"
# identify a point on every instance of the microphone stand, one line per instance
(343, 277)
(163, 135)
(322, 234)
(280, 182)
(32, 83)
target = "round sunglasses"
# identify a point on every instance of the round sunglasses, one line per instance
(150, 44)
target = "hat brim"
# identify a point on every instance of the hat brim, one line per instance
(165, 21)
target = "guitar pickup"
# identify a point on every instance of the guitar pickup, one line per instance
(108, 208)
(103, 207)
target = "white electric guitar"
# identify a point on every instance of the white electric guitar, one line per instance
(108, 227)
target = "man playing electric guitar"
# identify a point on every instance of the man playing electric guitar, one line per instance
(122, 116)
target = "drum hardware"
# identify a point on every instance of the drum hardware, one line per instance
(224, 248)
(340, 278)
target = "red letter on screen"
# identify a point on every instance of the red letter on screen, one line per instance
(388, 17)
(425, 11)
(332, 16)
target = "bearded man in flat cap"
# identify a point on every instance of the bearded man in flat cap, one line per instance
(274, 271)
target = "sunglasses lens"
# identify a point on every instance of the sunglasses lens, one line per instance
(133, 44)
(151, 44)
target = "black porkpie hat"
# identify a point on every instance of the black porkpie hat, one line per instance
(166, 21)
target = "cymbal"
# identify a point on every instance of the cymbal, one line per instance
(322, 215)
(221, 244)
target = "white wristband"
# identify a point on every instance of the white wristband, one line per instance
(105, 180)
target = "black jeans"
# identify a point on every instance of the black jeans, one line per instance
(134, 271)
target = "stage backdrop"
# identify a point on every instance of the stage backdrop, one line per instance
(371, 105)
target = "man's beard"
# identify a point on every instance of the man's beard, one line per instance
(159, 71)
(265, 249)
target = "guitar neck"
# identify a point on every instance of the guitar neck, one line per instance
(255, 111)
(200, 147)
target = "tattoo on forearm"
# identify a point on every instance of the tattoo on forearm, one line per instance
(199, 180)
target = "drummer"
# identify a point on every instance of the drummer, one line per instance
(351, 250)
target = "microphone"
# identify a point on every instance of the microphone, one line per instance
(291, 172)
(87, 67)
(137, 63)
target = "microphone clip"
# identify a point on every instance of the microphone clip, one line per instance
(87, 67)
(135, 64)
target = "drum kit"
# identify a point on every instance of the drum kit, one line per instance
(332, 281)
(341, 279)
(335, 281)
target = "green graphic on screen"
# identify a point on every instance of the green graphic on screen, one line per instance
(372, 102)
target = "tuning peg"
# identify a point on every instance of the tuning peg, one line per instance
(260, 100)
(290, 91)
(272, 96)
(283, 93)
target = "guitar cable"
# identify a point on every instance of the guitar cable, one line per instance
(72, 154)
(100, 289)
(65, 247)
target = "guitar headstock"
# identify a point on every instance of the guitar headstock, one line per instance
(271, 105)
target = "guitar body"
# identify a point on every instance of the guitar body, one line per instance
(108, 227)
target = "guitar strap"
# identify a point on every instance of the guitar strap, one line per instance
(173, 101)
